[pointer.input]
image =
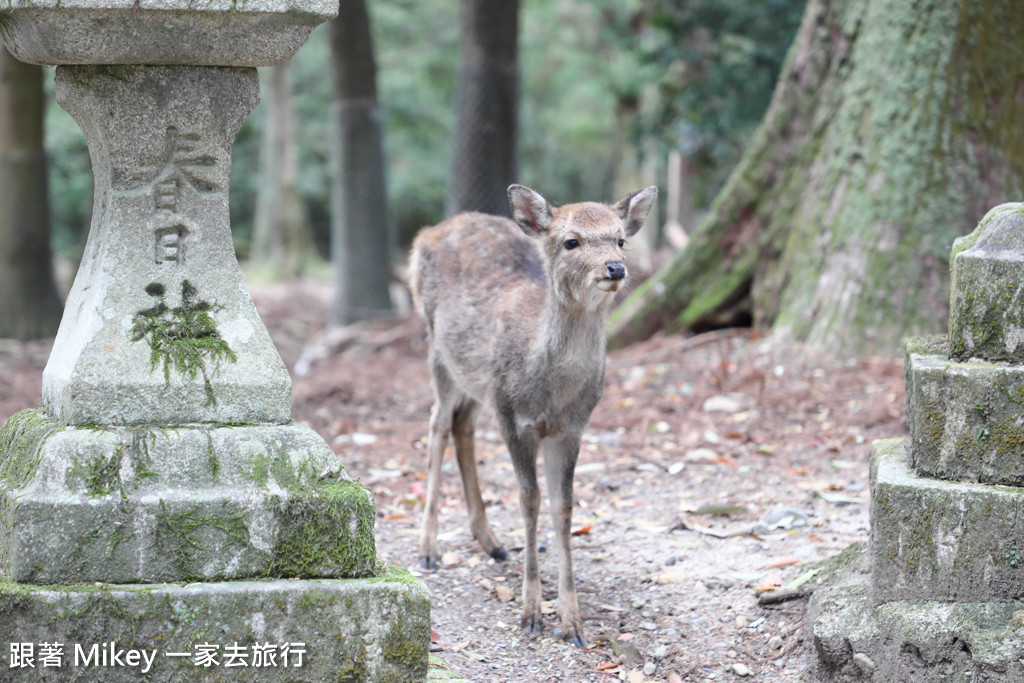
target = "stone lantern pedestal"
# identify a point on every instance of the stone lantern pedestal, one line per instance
(941, 593)
(162, 502)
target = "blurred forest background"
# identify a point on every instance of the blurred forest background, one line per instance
(607, 87)
(817, 157)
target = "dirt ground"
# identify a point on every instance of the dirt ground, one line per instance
(715, 468)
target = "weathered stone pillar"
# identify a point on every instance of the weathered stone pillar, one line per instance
(162, 496)
(943, 594)
(159, 327)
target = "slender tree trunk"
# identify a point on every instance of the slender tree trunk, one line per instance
(362, 240)
(893, 128)
(281, 236)
(484, 162)
(29, 304)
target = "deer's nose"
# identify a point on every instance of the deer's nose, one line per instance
(616, 270)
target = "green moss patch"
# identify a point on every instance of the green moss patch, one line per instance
(183, 338)
(327, 531)
(262, 468)
(21, 440)
(184, 535)
(105, 474)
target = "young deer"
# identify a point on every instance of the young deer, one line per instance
(515, 316)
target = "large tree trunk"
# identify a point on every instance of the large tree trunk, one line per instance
(29, 304)
(484, 161)
(893, 128)
(361, 233)
(281, 236)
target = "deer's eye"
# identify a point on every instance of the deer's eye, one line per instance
(622, 243)
(572, 244)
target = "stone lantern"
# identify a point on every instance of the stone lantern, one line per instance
(162, 502)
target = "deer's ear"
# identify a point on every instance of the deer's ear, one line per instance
(634, 208)
(530, 210)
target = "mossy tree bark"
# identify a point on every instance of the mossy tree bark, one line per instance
(484, 160)
(891, 132)
(281, 236)
(29, 304)
(362, 238)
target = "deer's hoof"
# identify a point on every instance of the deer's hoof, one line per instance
(574, 636)
(531, 624)
(500, 554)
(428, 562)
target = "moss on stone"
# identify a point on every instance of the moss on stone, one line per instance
(352, 668)
(983, 309)
(21, 441)
(183, 338)
(181, 535)
(211, 458)
(263, 467)
(102, 475)
(328, 529)
(932, 345)
(404, 649)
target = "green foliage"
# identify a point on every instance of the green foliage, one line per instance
(582, 78)
(718, 62)
(417, 49)
(602, 82)
(70, 176)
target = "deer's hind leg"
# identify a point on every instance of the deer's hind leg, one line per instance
(446, 398)
(463, 426)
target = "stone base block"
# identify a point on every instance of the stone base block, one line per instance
(912, 642)
(942, 540)
(296, 631)
(966, 419)
(177, 503)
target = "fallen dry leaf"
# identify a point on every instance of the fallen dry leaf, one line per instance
(783, 562)
(504, 593)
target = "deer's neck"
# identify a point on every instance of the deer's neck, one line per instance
(571, 336)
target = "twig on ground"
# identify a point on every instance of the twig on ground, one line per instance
(784, 595)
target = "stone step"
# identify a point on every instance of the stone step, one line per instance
(911, 641)
(321, 630)
(966, 419)
(940, 540)
(177, 503)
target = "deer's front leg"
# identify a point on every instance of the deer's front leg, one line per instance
(523, 448)
(559, 463)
